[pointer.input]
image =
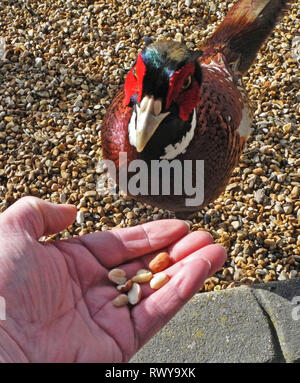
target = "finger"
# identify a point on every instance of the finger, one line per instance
(189, 244)
(118, 246)
(210, 254)
(152, 313)
(38, 217)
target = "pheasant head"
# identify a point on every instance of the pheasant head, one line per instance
(163, 88)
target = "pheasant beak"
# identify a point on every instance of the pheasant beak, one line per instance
(148, 119)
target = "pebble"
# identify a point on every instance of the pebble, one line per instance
(237, 274)
(62, 198)
(296, 48)
(293, 274)
(283, 276)
(2, 48)
(281, 177)
(38, 62)
(270, 242)
(258, 171)
(278, 208)
(90, 193)
(80, 217)
(261, 271)
(130, 215)
(295, 192)
(259, 195)
(288, 209)
(235, 224)
(179, 37)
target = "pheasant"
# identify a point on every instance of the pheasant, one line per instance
(188, 106)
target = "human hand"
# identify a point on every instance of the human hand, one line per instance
(59, 299)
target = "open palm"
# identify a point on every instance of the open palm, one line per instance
(59, 299)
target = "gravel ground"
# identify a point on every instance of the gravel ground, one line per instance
(60, 65)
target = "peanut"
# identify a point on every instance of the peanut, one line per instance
(158, 281)
(142, 271)
(135, 294)
(117, 276)
(142, 277)
(120, 300)
(160, 262)
(125, 286)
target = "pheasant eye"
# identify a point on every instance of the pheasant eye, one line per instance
(187, 82)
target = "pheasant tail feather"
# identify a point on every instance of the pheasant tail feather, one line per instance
(244, 30)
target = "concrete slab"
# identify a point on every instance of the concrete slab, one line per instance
(220, 327)
(281, 301)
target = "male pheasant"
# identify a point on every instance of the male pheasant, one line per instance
(178, 104)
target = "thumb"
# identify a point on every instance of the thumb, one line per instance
(37, 217)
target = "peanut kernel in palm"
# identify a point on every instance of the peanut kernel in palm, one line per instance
(120, 300)
(142, 277)
(135, 294)
(158, 281)
(160, 262)
(125, 286)
(117, 276)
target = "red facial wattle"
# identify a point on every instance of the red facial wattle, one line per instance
(186, 100)
(134, 82)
